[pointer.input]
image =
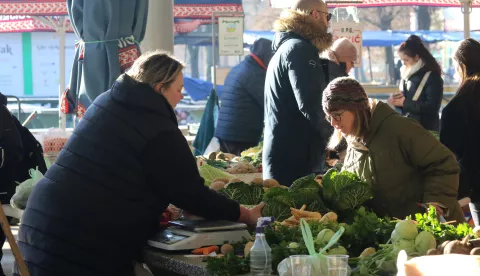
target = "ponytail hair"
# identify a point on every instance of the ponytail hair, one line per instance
(414, 46)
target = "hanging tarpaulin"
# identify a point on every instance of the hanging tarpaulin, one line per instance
(195, 9)
(381, 3)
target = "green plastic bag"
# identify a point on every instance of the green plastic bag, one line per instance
(24, 189)
(318, 260)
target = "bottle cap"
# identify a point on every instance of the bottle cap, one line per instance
(263, 222)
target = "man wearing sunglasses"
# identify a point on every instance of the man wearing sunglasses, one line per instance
(295, 128)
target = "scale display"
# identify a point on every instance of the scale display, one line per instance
(168, 237)
(187, 235)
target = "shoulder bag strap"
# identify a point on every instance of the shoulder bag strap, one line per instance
(420, 89)
(421, 86)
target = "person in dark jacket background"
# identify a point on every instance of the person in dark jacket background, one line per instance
(417, 61)
(342, 56)
(240, 121)
(460, 124)
(11, 153)
(295, 126)
(125, 162)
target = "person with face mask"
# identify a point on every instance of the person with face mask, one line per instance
(295, 131)
(421, 85)
(125, 162)
(405, 165)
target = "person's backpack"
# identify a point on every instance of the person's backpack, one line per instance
(32, 154)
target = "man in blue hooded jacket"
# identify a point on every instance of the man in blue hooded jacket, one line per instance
(240, 122)
(295, 127)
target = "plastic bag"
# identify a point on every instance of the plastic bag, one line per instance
(53, 141)
(23, 191)
(318, 260)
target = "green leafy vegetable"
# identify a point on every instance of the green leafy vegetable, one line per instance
(278, 202)
(210, 173)
(317, 206)
(246, 159)
(365, 231)
(243, 193)
(219, 164)
(306, 183)
(442, 232)
(228, 265)
(345, 190)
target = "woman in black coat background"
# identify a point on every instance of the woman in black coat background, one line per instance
(460, 129)
(11, 153)
(417, 61)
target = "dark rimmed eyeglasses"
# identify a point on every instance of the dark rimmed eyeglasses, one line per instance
(329, 15)
(337, 116)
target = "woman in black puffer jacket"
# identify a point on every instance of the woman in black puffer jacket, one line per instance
(125, 162)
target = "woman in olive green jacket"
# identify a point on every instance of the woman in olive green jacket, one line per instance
(405, 164)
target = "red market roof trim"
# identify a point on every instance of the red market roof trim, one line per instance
(57, 7)
(27, 25)
(42, 7)
(204, 11)
(383, 3)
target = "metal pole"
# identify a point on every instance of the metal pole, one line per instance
(370, 64)
(466, 9)
(214, 69)
(61, 86)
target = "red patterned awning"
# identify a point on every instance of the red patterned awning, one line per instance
(204, 11)
(32, 25)
(59, 7)
(26, 25)
(33, 7)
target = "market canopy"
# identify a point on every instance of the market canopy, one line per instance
(370, 38)
(381, 3)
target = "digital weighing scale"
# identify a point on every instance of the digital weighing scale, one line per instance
(192, 234)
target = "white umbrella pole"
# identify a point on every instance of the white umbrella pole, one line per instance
(466, 9)
(60, 28)
(61, 45)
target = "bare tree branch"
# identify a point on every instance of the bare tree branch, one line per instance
(396, 13)
(373, 22)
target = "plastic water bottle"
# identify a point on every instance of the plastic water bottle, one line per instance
(261, 253)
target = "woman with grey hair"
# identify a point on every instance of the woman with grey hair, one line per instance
(124, 164)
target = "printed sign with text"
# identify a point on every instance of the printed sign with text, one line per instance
(230, 36)
(353, 32)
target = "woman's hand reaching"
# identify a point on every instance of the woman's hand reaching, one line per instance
(250, 216)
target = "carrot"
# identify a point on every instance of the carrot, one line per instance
(198, 251)
(210, 249)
